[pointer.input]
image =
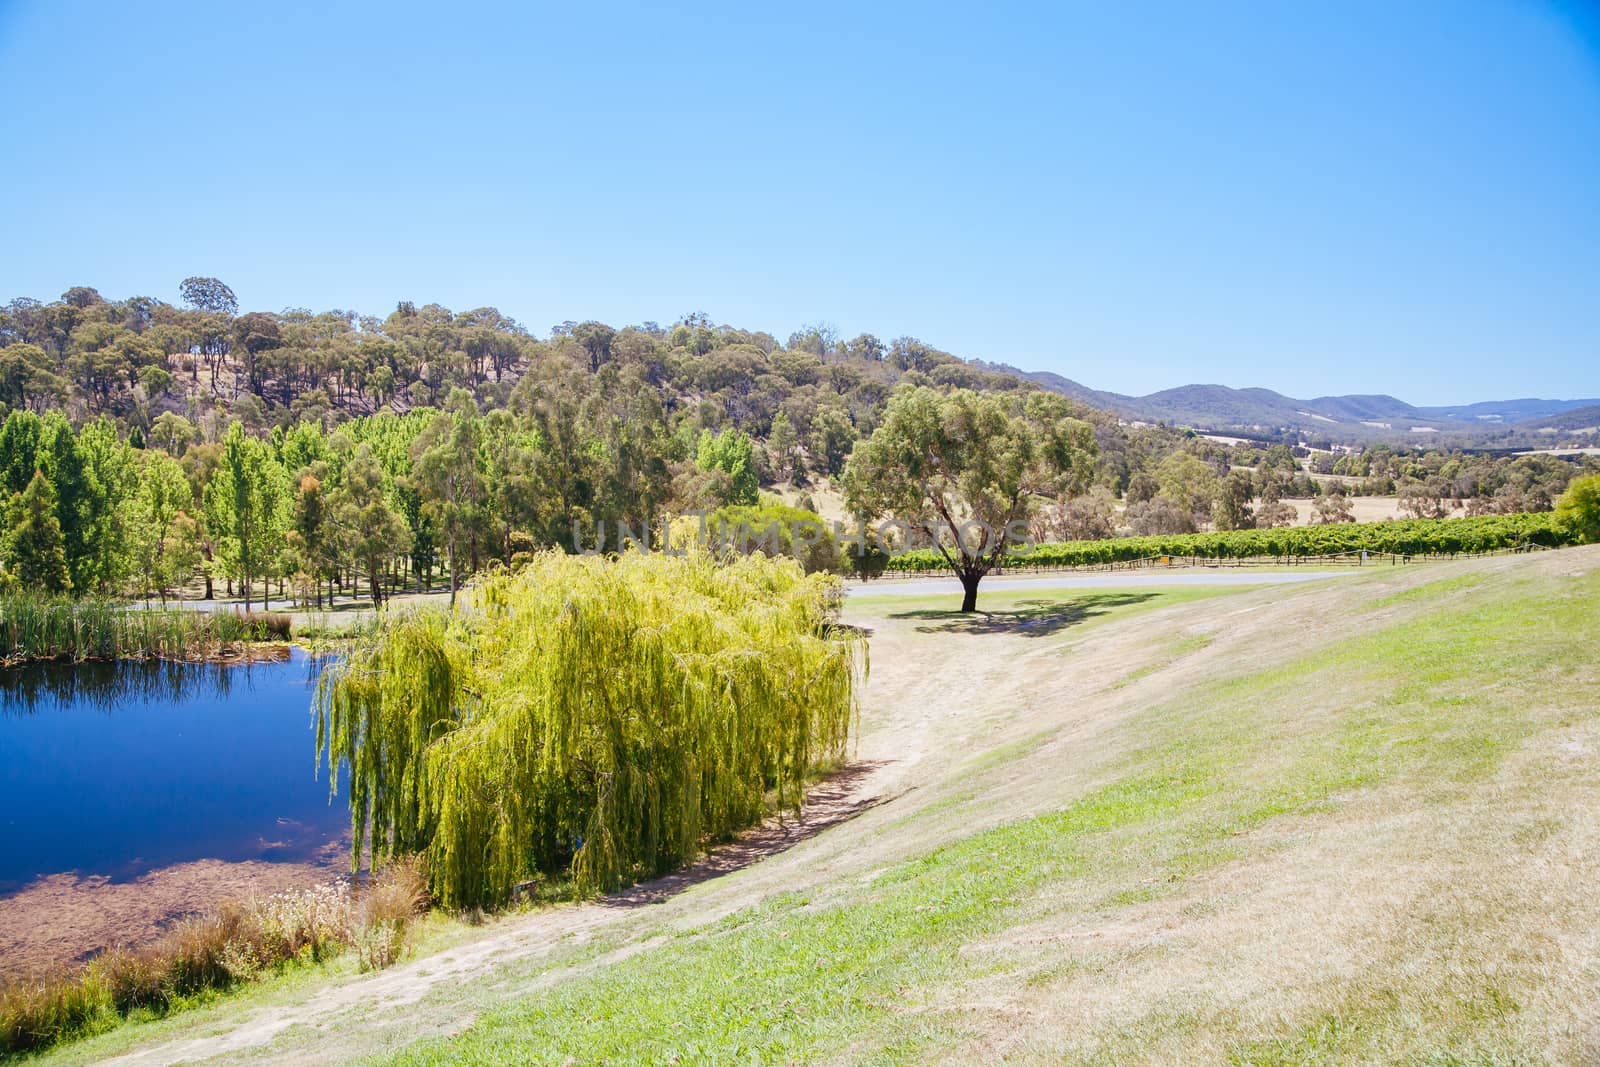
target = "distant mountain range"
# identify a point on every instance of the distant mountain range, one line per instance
(1222, 408)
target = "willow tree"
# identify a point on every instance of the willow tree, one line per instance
(588, 717)
(969, 467)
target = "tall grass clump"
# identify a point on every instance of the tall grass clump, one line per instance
(57, 628)
(240, 941)
(598, 718)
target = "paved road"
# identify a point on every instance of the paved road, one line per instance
(1108, 580)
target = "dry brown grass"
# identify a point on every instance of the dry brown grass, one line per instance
(385, 916)
(237, 942)
(268, 625)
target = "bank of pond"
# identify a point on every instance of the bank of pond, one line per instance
(580, 724)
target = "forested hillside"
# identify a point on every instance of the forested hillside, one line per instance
(149, 447)
(137, 358)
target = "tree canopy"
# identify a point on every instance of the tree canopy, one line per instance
(970, 467)
(486, 441)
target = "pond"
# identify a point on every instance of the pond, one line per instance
(115, 770)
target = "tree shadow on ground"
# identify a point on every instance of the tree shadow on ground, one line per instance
(1030, 618)
(837, 798)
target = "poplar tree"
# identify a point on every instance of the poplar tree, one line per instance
(245, 504)
(34, 549)
(161, 553)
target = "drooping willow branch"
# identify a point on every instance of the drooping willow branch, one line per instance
(596, 717)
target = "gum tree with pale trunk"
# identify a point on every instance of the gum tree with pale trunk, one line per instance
(971, 465)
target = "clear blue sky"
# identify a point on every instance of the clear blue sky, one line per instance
(1311, 196)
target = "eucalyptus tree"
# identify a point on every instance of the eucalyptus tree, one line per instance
(781, 442)
(970, 466)
(360, 508)
(448, 469)
(30, 379)
(209, 294)
(1188, 481)
(1231, 510)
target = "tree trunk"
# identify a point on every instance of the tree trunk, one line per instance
(969, 591)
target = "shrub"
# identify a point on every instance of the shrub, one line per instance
(267, 625)
(35, 1010)
(1578, 511)
(384, 923)
(774, 524)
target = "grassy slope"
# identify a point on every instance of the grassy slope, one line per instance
(1352, 823)
(923, 960)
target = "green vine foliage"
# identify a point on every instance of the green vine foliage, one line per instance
(1406, 537)
(601, 718)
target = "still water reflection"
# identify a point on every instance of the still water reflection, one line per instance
(116, 769)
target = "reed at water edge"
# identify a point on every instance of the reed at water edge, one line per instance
(36, 628)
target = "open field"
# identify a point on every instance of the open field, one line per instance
(1362, 508)
(1351, 821)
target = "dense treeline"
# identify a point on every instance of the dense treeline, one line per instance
(1485, 484)
(381, 502)
(149, 445)
(151, 448)
(139, 357)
